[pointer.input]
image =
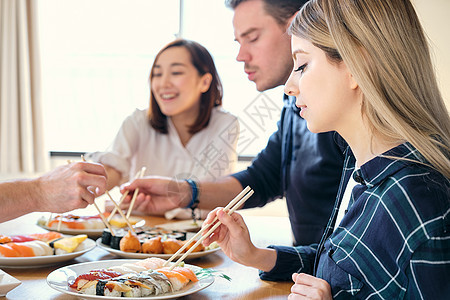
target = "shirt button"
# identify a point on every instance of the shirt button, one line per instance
(358, 178)
(330, 252)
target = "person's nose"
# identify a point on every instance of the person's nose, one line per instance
(243, 54)
(166, 80)
(291, 86)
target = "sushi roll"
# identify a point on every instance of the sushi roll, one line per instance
(115, 240)
(106, 236)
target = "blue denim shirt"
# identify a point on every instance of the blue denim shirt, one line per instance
(394, 241)
(302, 166)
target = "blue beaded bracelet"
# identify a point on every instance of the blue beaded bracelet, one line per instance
(194, 187)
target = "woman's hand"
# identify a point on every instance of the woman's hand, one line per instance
(156, 194)
(309, 287)
(234, 239)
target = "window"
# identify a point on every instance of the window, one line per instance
(96, 58)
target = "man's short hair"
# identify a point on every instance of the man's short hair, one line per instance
(280, 10)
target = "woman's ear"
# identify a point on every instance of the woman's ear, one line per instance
(205, 82)
(353, 84)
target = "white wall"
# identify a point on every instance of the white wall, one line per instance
(435, 18)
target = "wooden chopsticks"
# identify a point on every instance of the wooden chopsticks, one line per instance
(120, 211)
(234, 204)
(136, 192)
(138, 175)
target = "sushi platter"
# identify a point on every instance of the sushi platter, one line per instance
(149, 242)
(39, 261)
(63, 280)
(91, 225)
(124, 254)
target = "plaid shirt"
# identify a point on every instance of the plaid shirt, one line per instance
(394, 241)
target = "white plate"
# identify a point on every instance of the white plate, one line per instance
(92, 233)
(146, 255)
(34, 261)
(59, 279)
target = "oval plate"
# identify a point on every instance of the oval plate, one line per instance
(59, 279)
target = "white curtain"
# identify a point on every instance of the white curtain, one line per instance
(21, 126)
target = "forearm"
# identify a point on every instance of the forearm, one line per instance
(217, 193)
(263, 259)
(290, 260)
(114, 177)
(17, 198)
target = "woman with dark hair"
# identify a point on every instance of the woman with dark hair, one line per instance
(185, 133)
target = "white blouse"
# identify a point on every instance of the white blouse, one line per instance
(209, 154)
(345, 200)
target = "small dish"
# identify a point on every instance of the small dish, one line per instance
(131, 255)
(7, 283)
(39, 261)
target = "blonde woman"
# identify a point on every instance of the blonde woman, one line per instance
(363, 69)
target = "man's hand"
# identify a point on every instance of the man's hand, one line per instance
(69, 187)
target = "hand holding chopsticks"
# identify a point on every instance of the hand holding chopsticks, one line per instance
(234, 204)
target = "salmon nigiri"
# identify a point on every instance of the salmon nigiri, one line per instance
(177, 279)
(186, 272)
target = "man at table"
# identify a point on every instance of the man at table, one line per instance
(65, 188)
(300, 165)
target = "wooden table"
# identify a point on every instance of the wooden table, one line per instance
(245, 282)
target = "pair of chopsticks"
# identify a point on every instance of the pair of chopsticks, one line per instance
(133, 199)
(106, 221)
(230, 208)
(95, 204)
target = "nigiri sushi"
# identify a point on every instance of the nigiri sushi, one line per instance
(67, 244)
(151, 263)
(139, 279)
(83, 279)
(177, 279)
(25, 249)
(45, 237)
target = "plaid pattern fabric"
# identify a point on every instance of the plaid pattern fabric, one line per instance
(394, 241)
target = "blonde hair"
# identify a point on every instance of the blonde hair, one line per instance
(385, 48)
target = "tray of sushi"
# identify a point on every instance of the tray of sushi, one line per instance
(92, 225)
(41, 248)
(150, 242)
(131, 278)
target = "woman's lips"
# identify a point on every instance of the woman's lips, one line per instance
(302, 110)
(168, 96)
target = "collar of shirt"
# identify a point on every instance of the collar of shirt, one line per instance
(380, 167)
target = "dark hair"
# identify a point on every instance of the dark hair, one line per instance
(280, 10)
(204, 63)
